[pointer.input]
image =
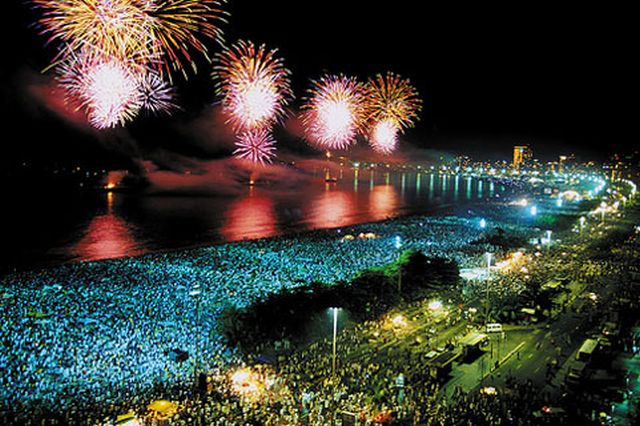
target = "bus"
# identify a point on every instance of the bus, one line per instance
(585, 353)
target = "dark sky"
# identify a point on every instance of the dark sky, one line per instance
(558, 78)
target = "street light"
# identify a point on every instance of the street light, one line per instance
(483, 223)
(335, 336)
(603, 209)
(534, 210)
(488, 263)
(486, 319)
(398, 244)
(195, 293)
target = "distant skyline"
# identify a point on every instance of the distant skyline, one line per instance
(490, 77)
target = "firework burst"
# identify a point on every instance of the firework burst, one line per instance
(180, 25)
(334, 111)
(257, 146)
(157, 94)
(115, 28)
(393, 105)
(391, 97)
(161, 32)
(106, 88)
(384, 136)
(254, 86)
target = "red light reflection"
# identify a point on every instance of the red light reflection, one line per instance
(332, 208)
(384, 201)
(250, 217)
(107, 236)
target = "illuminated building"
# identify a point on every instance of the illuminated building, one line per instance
(561, 163)
(522, 154)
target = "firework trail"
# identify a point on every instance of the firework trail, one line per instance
(334, 111)
(257, 146)
(254, 86)
(180, 25)
(393, 105)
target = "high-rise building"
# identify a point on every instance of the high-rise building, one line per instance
(522, 154)
(561, 163)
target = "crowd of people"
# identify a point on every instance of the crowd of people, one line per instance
(110, 334)
(380, 377)
(106, 331)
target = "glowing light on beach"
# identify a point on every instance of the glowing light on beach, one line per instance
(435, 305)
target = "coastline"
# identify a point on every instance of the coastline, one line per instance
(434, 210)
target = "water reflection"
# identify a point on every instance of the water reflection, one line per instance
(331, 208)
(106, 236)
(431, 186)
(384, 201)
(123, 224)
(456, 188)
(250, 217)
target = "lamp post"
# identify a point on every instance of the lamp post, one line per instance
(488, 263)
(335, 336)
(486, 319)
(195, 293)
(398, 245)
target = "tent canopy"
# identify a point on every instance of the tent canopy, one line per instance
(163, 406)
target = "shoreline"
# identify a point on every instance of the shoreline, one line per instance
(434, 211)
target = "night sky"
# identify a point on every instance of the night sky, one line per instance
(489, 76)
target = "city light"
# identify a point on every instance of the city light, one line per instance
(534, 211)
(483, 223)
(399, 321)
(488, 255)
(435, 305)
(244, 382)
(398, 242)
(335, 340)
